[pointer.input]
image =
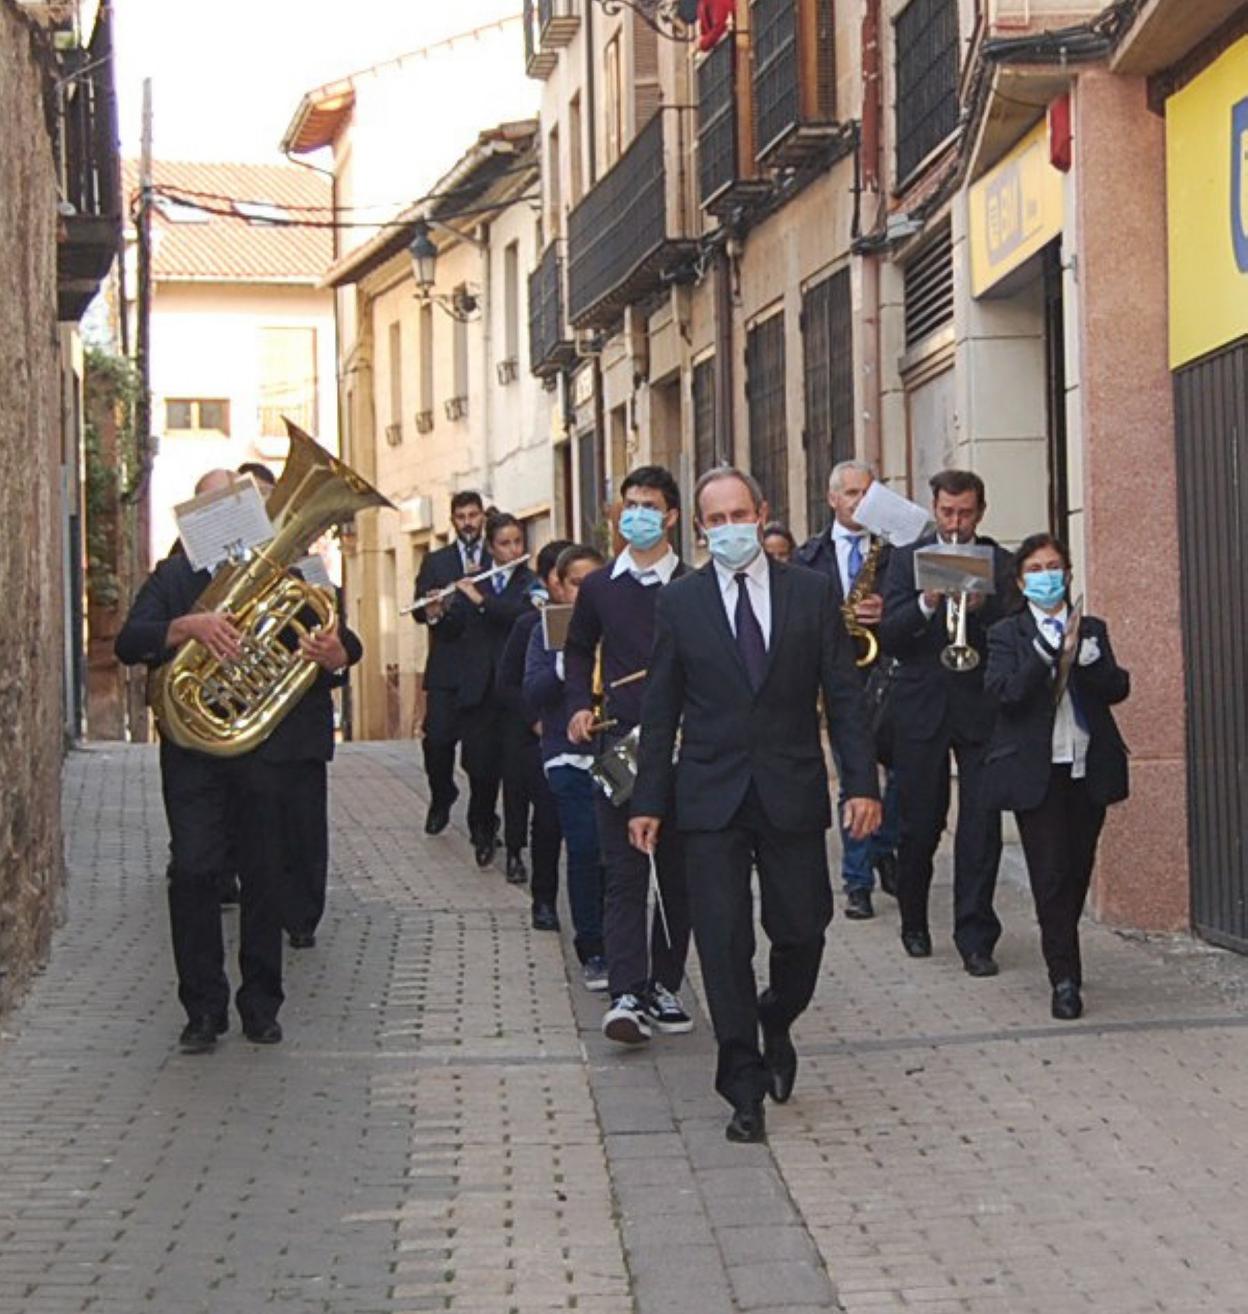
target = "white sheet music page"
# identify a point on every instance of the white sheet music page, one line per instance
(314, 570)
(893, 517)
(221, 526)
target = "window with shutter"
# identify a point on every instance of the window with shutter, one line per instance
(828, 380)
(765, 392)
(926, 39)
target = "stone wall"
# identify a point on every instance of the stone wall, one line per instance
(30, 550)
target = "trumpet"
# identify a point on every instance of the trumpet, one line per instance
(959, 655)
(440, 595)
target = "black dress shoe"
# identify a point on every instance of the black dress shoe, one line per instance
(1067, 1001)
(918, 944)
(199, 1036)
(302, 939)
(747, 1126)
(886, 869)
(517, 872)
(980, 965)
(485, 846)
(545, 918)
(228, 893)
(263, 1033)
(781, 1060)
(437, 819)
(858, 906)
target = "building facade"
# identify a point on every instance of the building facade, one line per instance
(60, 226)
(928, 233)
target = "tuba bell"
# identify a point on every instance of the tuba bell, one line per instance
(226, 709)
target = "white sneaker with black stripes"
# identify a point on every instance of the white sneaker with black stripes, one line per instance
(666, 1012)
(627, 1021)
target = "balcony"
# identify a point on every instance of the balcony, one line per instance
(628, 235)
(550, 344)
(795, 81)
(549, 25)
(727, 176)
(89, 161)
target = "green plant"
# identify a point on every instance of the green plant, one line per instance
(111, 388)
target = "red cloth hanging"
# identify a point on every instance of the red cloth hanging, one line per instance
(713, 19)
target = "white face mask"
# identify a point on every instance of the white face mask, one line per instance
(734, 546)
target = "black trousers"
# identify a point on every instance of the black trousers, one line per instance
(204, 798)
(923, 776)
(796, 898)
(638, 954)
(306, 814)
(475, 729)
(1059, 842)
(530, 818)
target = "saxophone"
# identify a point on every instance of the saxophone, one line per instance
(864, 586)
(229, 708)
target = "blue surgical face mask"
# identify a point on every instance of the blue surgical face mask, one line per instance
(642, 526)
(734, 546)
(1046, 588)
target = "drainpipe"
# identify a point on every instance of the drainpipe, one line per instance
(869, 153)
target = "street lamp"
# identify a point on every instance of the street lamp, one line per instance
(423, 250)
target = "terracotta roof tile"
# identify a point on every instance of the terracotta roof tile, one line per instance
(232, 247)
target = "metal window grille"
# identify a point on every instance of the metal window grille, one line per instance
(776, 90)
(929, 289)
(764, 387)
(828, 376)
(717, 121)
(926, 37)
(703, 416)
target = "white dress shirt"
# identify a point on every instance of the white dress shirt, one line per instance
(1070, 742)
(651, 576)
(843, 543)
(758, 585)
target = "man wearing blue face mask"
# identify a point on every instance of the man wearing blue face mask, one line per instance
(608, 648)
(743, 650)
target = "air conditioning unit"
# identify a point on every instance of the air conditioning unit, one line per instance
(588, 343)
(424, 421)
(415, 515)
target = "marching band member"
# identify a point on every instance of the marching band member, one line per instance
(936, 711)
(778, 543)
(743, 649)
(523, 778)
(615, 610)
(566, 766)
(211, 800)
(841, 552)
(1056, 759)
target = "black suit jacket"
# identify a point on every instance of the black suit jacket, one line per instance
(732, 736)
(924, 690)
(444, 665)
(474, 637)
(1020, 753)
(172, 590)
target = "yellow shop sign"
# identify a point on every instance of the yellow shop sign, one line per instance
(1207, 197)
(1015, 210)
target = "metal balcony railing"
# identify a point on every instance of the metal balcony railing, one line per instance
(628, 232)
(794, 79)
(558, 21)
(550, 344)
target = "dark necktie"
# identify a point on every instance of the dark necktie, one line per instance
(750, 635)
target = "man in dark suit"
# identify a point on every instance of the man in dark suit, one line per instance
(937, 711)
(840, 552)
(743, 648)
(456, 657)
(221, 810)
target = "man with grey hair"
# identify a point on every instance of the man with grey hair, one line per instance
(743, 649)
(840, 552)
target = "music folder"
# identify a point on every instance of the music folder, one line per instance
(556, 618)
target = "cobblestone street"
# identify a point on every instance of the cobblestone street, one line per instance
(445, 1129)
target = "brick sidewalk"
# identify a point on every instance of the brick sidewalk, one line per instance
(445, 1129)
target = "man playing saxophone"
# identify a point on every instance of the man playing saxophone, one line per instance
(855, 563)
(211, 800)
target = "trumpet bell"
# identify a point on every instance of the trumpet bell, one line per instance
(958, 659)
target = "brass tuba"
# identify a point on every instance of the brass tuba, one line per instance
(227, 709)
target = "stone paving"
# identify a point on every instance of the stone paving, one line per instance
(445, 1129)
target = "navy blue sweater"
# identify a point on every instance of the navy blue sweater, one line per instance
(544, 698)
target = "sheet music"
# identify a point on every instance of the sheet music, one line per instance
(223, 525)
(555, 620)
(894, 518)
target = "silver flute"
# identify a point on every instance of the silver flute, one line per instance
(440, 595)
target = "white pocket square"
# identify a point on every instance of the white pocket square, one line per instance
(1089, 651)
